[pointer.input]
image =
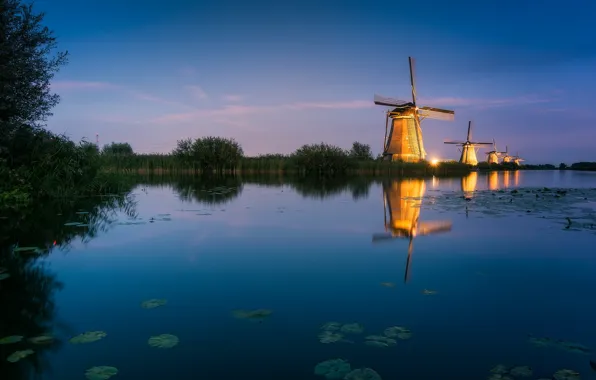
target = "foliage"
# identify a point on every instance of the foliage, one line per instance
(322, 159)
(588, 166)
(361, 151)
(562, 166)
(117, 149)
(26, 65)
(209, 153)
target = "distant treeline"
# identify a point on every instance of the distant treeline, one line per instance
(587, 166)
(226, 156)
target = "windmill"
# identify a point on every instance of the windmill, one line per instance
(517, 159)
(403, 141)
(468, 148)
(507, 157)
(493, 155)
(402, 198)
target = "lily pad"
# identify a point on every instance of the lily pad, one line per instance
(379, 341)
(72, 224)
(498, 376)
(101, 373)
(4, 276)
(566, 374)
(27, 249)
(352, 328)
(363, 374)
(153, 303)
(42, 339)
(333, 369)
(500, 369)
(521, 371)
(88, 337)
(256, 315)
(331, 326)
(399, 332)
(330, 337)
(11, 339)
(18, 355)
(163, 341)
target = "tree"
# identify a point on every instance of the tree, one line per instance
(322, 159)
(562, 166)
(361, 151)
(118, 149)
(210, 153)
(27, 65)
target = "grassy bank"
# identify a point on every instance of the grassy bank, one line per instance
(276, 164)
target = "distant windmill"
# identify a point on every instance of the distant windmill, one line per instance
(493, 155)
(506, 157)
(468, 148)
(403, 141)
(402, 200)
(517, 159)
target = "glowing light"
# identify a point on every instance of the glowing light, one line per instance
(434, 162)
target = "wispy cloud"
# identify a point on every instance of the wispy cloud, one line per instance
(81, 85)
(197, 92)
(243, 110)
(485, 103)
(232, 98)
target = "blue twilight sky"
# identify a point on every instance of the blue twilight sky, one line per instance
(279, 74)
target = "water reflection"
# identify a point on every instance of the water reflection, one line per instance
(27, 296)
(402, 204)
(468, 184)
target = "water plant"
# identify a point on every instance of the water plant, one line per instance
(333, 368)
(163, 341)
(153, 303)
(18, 355)
(88, 337)
(101, 372)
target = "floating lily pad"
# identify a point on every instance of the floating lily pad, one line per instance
(18, 355)
(4, 276)
(498, 376)
(42, 339)
(153, 303)
(379, 341)
(101, 373)
(257, 315)
(333, 369)
(398, 331)
(363, 374)
(88, 337)
(330, 337)
(11, 339)
(428, 292)
(521, 371)
(331, 326)
(163, 341)
(566, 374)
(352, 328)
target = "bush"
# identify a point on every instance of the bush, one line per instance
(210, 153)
(361, 152)
(322, 159)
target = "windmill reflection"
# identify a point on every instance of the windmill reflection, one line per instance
(468, 184)
(402, 201)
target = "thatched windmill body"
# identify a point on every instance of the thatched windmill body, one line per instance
(402, 201)
(468, 148)
(506, 156)
(403, 135)
(493, 155)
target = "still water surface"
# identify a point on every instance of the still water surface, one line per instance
(497, 267)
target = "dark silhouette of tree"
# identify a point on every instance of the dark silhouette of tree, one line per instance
(28, 62)
(210, 154)
(118, 149)
(361, 152)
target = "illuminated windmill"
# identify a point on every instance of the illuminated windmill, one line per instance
(493, 155)
(506, 157)
(517, 159)
(403, 141)
(403, 198)
(468, 148)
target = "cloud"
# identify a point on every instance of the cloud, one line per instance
(81, 85)
(233, 98)
(485, 103)
(243, 110)
(197, 92)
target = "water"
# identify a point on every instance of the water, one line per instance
(503, 266)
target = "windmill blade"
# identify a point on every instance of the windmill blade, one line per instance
(378, 238)
(409, 260)
(434, 227)
(454, 142)
(436, 113)
(494, 145)
(386, 131)
(391, 102)
(469, 131)
(413, 79)
(480, 143)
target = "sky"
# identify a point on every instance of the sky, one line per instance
(276, 75)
